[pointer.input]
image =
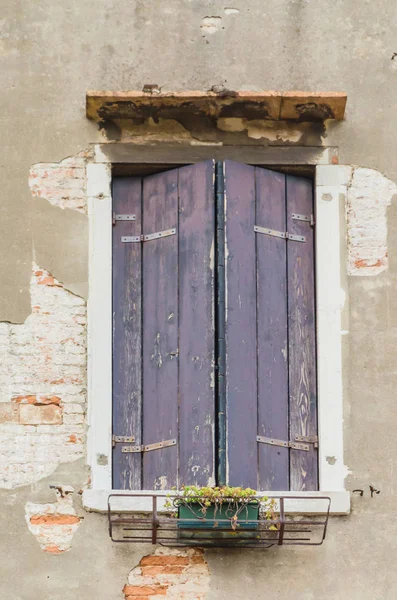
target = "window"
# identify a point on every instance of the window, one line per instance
(191, 329)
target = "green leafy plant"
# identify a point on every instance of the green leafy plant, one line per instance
(236, 500)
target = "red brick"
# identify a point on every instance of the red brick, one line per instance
(37, 399)
(197, 560)
(166, 570)
(163, 560)
(9, 413)
(31, 414)
(151, 571)
(54, 520)
(145, 590)
(49, 281)
(53, 549)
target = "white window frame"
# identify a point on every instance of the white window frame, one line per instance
(332, 313)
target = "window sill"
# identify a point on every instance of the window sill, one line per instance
(97, 501)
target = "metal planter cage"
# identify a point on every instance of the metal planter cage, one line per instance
(145, 518)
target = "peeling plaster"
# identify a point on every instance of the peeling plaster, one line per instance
(198, 129)
(369, 193)
(258, 129)
(43, 367)
(174, 573)
(63, 184)
(54, 524)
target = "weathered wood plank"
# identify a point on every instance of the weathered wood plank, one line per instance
(196, 324)
(127, 305)
(301, 325)
(272, 330)
(160, 329)
(241, 325)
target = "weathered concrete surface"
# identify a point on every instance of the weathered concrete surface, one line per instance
(50, 55)
(93, 568)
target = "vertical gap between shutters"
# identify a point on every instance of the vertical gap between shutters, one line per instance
(288, 346)
(220, 382)
(142, 321)
(257, 327)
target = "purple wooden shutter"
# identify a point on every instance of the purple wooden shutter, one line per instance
(270, 330)
(127, 332)
(163, 367)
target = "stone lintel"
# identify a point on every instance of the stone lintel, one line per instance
(295, 106)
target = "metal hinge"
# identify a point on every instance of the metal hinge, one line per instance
(309, 439)
(117, 217)
(308, 218)
(280, 234)
(149, 447)
(123, 439)
(295, 445)
(146, 238)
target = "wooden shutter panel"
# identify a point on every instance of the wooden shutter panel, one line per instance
(170, 381)
(127, 332)
(270, 330)
(301, 334)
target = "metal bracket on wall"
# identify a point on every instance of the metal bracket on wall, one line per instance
(146, 238)
(149, 447)
(282, 443)
(280, 234)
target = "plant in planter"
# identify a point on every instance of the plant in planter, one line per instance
(221, 507)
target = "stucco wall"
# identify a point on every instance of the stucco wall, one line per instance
(50, 54)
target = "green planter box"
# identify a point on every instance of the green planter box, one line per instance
(191, 517)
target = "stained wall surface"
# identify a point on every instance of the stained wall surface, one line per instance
(50, 54)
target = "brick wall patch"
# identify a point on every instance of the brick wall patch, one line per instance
(54, 524)
(42, 384)
(369, 193)
(63, 184)
(169, 573)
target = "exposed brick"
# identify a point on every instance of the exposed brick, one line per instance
(145, 590)
(30, 414)
(166, 570)
(37, 399)
(54, 519)
(51, 281)
(189, 580)
(55, 523)
(369, 193)
(153, 570)
(159, 560)
(53, 549)
(62, 184)
(9, 413)
(198, 560)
